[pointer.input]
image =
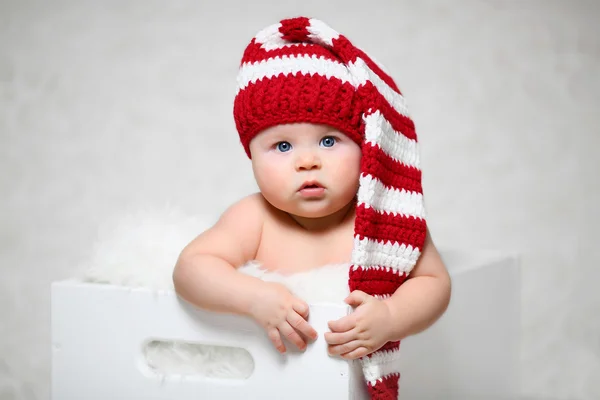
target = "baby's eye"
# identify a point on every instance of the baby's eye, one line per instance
(328, 141)
(284, 146)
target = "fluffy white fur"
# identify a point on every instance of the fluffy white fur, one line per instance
(327, 284)
(140, 250)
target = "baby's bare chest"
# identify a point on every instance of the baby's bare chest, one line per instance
(290, 251)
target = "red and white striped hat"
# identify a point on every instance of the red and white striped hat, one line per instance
(301, 70)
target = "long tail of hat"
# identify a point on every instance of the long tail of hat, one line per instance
(390, 223)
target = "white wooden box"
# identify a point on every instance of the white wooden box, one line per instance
(99, 333)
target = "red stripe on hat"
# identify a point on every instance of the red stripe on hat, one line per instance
(295, 29)
(256, 53)
(299, 98)
(375, 281)
(383, 226)
(349, 53)
(390, 172)
(389, 346)
(399, 122)
(385, 389)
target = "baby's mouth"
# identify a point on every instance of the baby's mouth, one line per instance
(312, 189)
(311, 185)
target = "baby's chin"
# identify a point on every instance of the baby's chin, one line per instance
(310, 214)
(313, 208)
(308, 208)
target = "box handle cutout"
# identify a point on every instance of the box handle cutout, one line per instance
(169, 358)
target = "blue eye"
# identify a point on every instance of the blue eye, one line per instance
(283, 146)
(328, 141)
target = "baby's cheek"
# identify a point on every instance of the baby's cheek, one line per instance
(348, 167)
(273, 177)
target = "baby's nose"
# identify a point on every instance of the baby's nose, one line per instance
(308, 160)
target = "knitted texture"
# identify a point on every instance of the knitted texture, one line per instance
(301, 70)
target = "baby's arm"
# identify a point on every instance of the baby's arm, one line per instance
(420, 301)
(413, 307)
(205, 274)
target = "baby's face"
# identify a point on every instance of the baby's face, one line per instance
(286, 157)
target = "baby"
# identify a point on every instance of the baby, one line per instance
(335, 156)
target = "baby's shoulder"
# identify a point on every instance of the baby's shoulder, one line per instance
(236, 235)
(248, 213)
(258, 218)
(253, 206)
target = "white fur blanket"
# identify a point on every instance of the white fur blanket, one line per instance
(140, 250)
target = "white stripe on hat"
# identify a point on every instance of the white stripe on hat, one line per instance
(380, 364)
(368, 253)
(374, 194)
(305, 64)
(363, 74)
(378, 131)
(271, 38)
(321, 33)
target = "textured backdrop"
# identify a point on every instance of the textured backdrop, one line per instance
(107, 107)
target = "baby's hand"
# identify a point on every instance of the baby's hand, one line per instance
(363, 331)
(281, 313)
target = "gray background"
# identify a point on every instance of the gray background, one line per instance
(108, 107)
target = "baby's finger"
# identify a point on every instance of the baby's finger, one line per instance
(334, 338)
(343, 324)
(301, 308)
(300, 324)
(344, 348)
(357, 353)
(290, 334)
(275, 338)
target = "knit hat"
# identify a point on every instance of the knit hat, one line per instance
(301, 70)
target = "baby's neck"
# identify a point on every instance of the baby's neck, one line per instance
(339, 219)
